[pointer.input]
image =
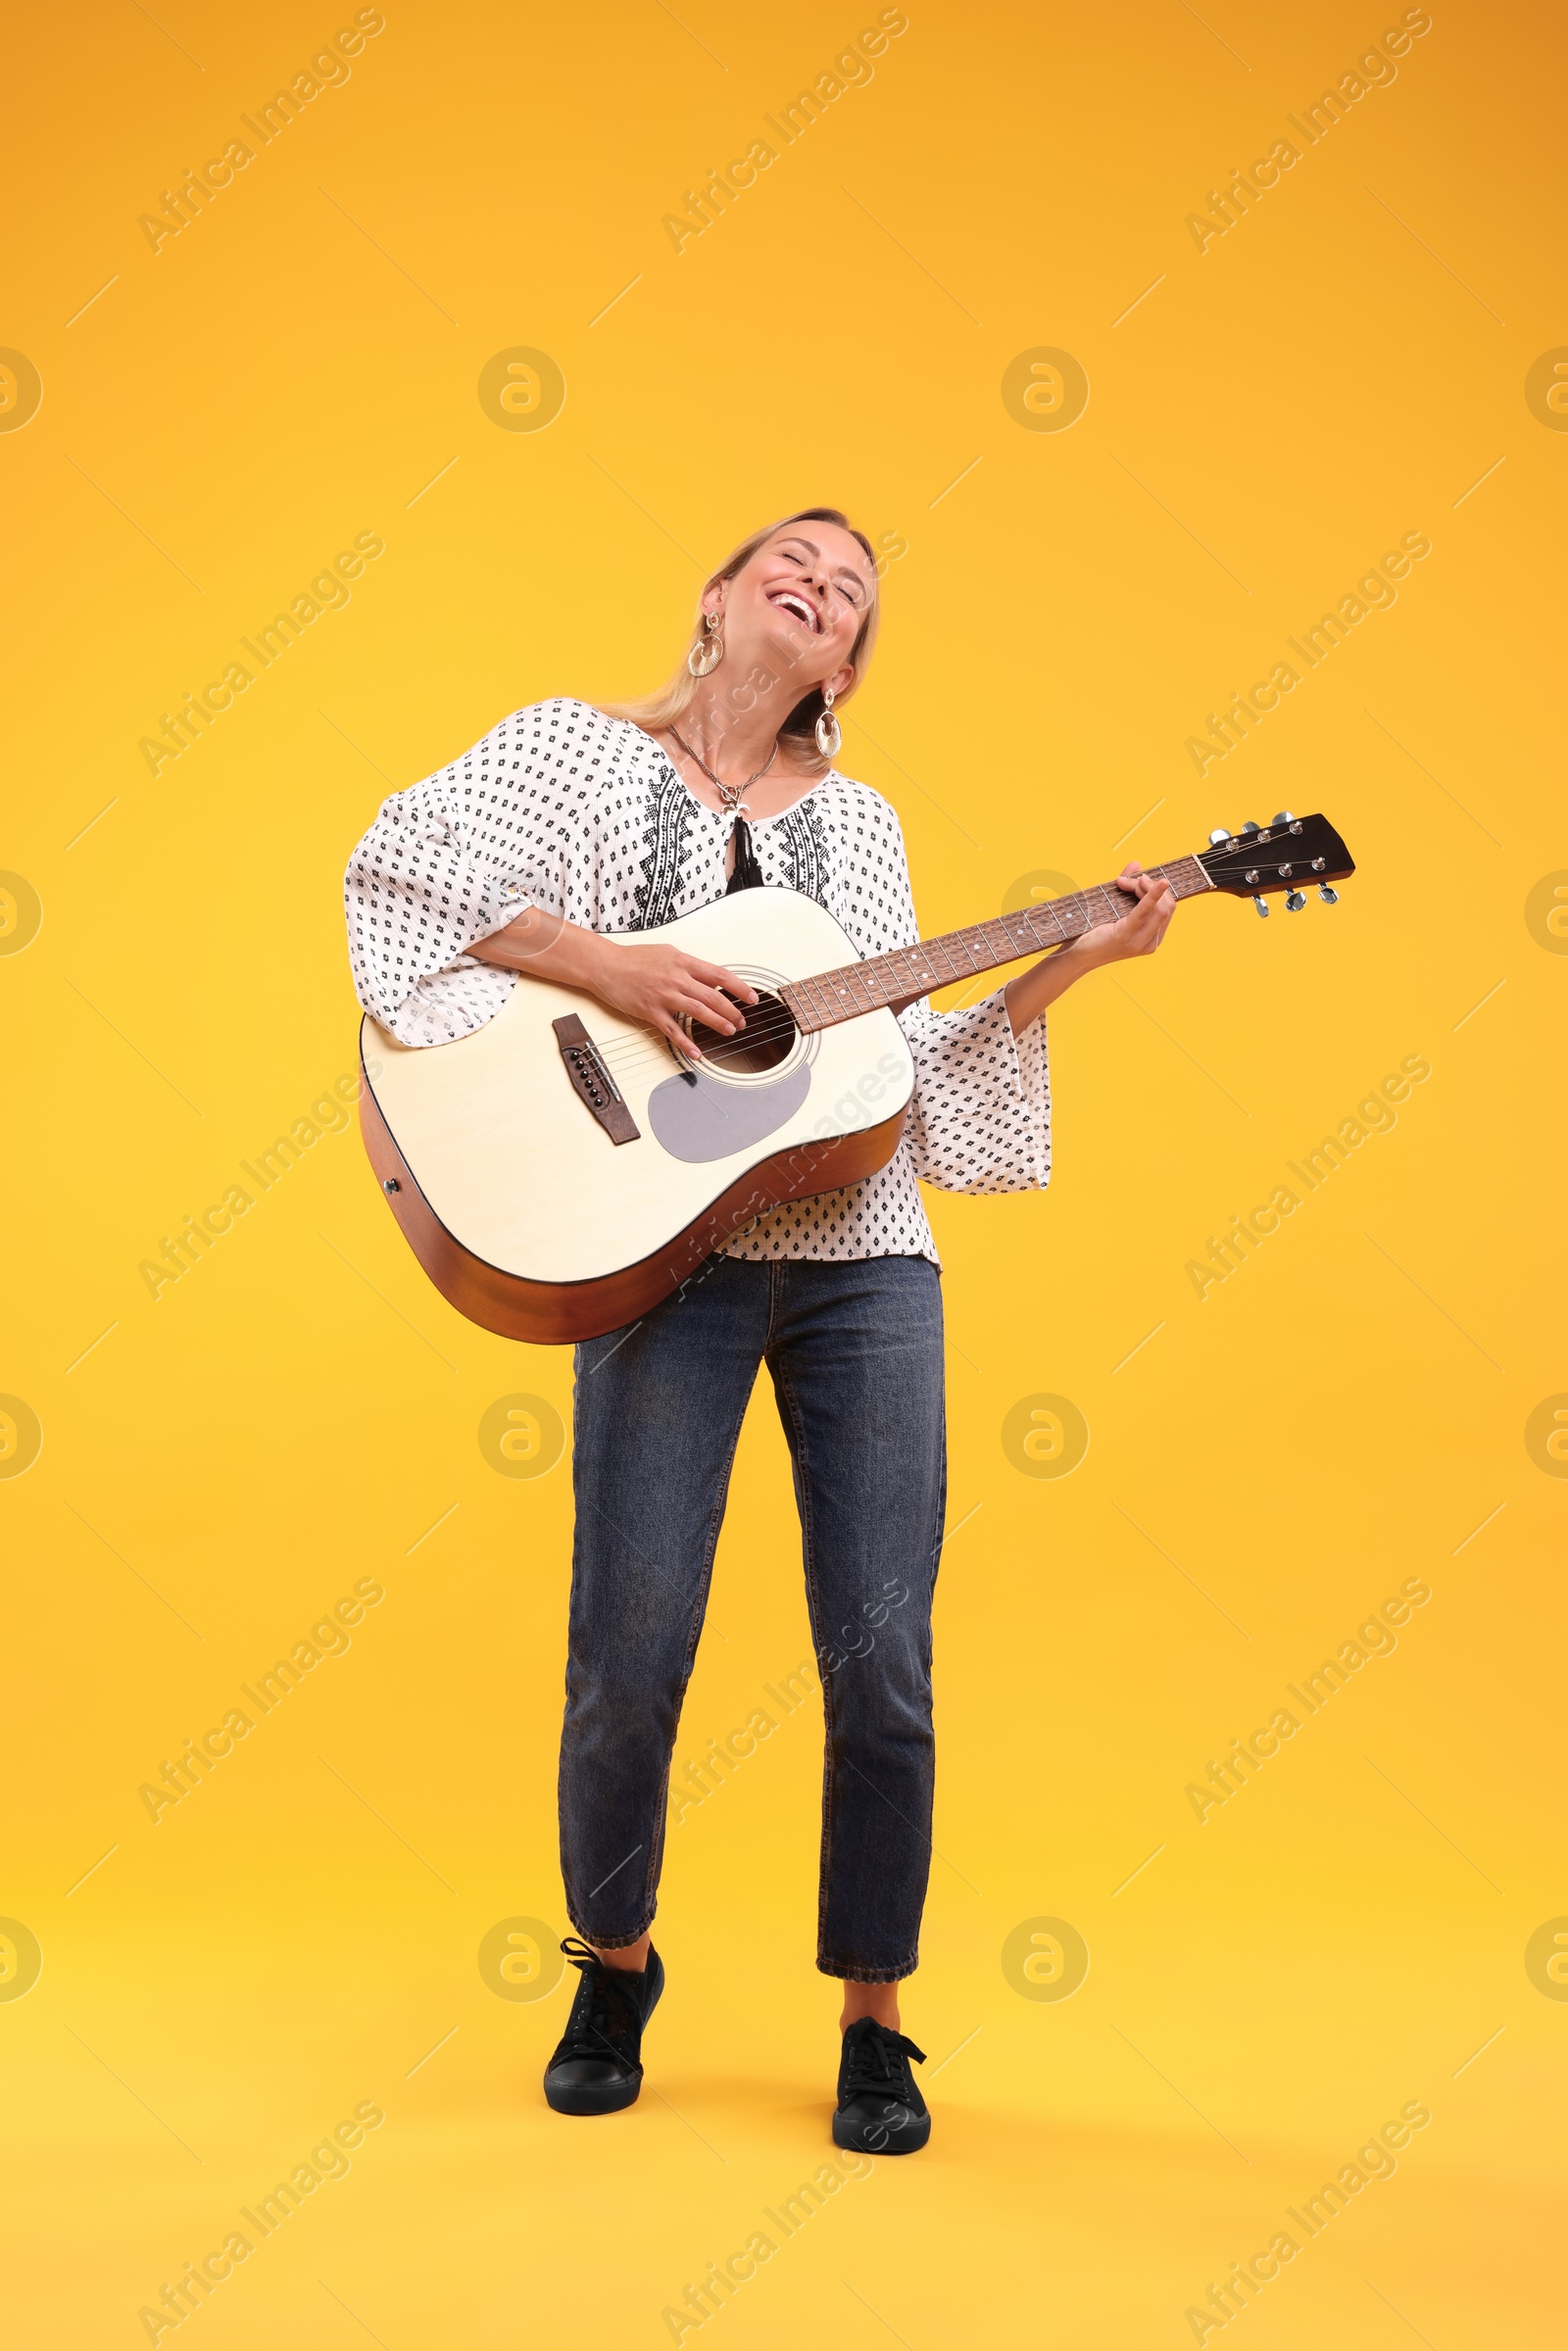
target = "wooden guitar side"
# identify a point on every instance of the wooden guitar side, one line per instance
(555, 1313)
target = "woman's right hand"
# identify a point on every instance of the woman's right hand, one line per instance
(658, 985)
(654, 985)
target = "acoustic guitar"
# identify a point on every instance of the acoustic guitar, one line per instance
(560, 1170)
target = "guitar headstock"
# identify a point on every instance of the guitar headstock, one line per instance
(1291, 855)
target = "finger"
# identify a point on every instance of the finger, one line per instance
(689, 994)
(714, 975)
(709, 1006)
(711, 1010)
(677, 1037)
(1131, 870)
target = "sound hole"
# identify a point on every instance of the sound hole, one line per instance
(760, 1044)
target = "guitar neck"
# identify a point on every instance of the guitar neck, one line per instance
(829, 997)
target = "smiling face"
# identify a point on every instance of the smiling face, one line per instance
(798, 605)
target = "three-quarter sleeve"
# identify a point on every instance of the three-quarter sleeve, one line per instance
(441, 868)
(981, 1116)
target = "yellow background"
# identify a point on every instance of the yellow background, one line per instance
(295, 367)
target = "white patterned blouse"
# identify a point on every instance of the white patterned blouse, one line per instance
(586, 818)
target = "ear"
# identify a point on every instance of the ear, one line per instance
(714, 597)
(840, 681)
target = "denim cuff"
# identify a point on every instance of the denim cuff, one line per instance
(867, 1975)
(609, 1942)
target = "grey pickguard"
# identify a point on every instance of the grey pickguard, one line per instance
(709, 1120)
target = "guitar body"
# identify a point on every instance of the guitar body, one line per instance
(499, 1154)
(562, 1170)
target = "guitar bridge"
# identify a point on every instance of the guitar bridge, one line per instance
(592, 1081)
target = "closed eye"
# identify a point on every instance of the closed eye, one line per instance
(854, 597)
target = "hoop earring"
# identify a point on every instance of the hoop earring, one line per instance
(706, 653)
(829, 734)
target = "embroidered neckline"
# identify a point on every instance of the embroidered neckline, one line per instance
(723, 815)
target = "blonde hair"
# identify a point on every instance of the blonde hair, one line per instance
(666, 702)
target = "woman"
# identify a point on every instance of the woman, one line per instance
(569, 821)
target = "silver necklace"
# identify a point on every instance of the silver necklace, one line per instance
(729, 793)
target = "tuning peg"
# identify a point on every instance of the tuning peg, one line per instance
(1251, 825)
(1218, 835)
(1294, 902)
(1261, 905)
(1330, 898)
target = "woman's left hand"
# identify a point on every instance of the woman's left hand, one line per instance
(1138, 933)
(1139, 930)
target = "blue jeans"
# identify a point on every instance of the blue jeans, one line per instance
(854, 1350)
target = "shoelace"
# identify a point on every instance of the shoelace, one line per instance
(602, 2011)
(872, 2061)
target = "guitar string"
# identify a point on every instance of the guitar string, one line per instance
(1188, 876)
(625, 1052)
(775, 1025)
(845, 978)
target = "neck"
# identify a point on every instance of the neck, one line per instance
(910, 972)
(734, 741)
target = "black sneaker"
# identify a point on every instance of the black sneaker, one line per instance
(880, 2111)
(597, 2066)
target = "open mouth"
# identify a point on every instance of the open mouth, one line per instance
(798, 608)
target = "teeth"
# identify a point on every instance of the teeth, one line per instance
(796, 604)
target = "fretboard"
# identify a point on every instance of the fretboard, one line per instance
(913, 971)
